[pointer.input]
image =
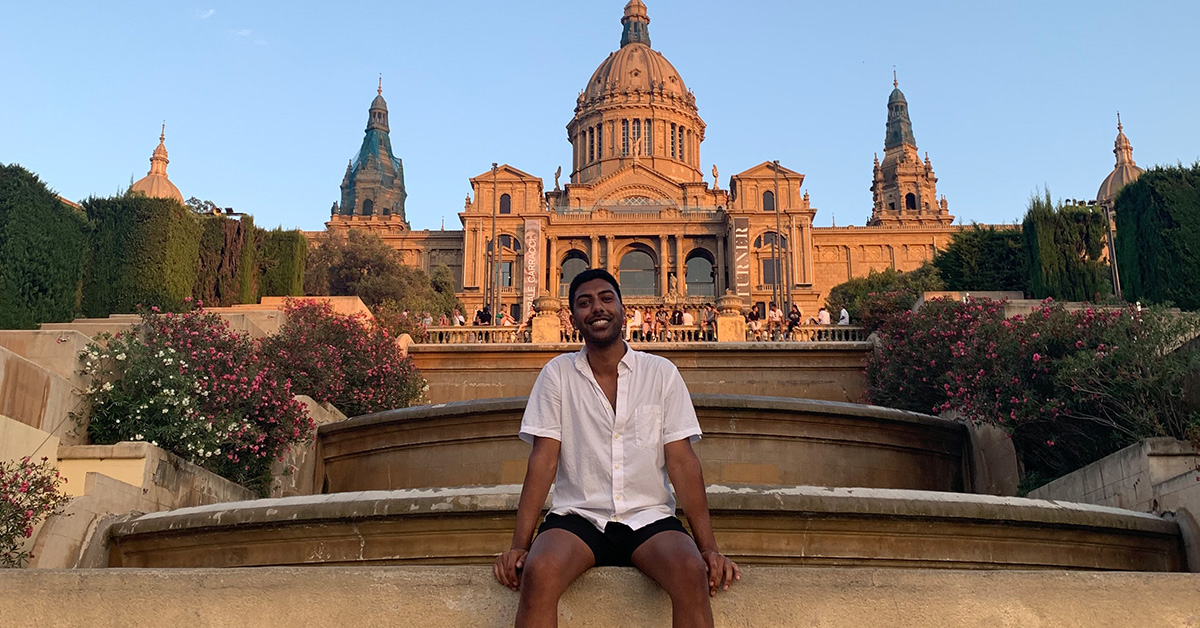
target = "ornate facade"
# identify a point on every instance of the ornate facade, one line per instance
(636, 202)
(156, 184)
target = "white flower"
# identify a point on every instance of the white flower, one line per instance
(164, 410)
(138, 437)
(120, 356)
(107, 386)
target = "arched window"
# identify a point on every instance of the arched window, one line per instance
(591, 145)
(624, 138)
(505, 204)
(648, 131)
(638, 274)
(910, 201)
(701, 281)
(368, 207)
(674, 134)
(575, 263)
(637, 132)
(769, 238)
(768, 201)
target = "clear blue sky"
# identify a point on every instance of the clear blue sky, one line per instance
(265, 101)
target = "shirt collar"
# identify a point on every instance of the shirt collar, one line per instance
(625, 365)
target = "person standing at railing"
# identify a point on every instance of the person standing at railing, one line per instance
(662, 321)
(457, 319)
(443, 320)
(647, 324)
(566, 329)
(823, 316)
(635, 324)
(709, 322)
(844, 317)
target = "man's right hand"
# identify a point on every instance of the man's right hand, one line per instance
(507, 565)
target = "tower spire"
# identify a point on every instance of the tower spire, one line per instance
(379, 91)
(636, 24)
(895, 81)
(162, 136)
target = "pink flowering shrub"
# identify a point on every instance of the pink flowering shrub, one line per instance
(391, 317)
(29, 492)
(1069, 386)
(191, 385)
(348, 361)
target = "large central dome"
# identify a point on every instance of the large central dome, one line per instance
(635, 67)
(635, 106)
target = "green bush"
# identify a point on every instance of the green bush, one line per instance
(281, 260)
(143, 251)
(1158, 237)
(881, 293)
(984, 258)
(1063, 244)
(42, 243)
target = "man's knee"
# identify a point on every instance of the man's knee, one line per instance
(544, 574)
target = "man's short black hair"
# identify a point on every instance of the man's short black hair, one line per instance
(586, 276)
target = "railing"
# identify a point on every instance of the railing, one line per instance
(673, 333)
(476, 335)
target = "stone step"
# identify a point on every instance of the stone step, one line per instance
(468, 597)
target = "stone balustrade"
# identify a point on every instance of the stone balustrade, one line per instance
(438, 335)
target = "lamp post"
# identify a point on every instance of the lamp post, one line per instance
(494, 271)
(776, 288)
(1112, 250)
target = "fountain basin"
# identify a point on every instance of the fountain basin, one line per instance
(796, 526)
(747, 440)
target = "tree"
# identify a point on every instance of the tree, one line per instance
(984, 258)
(363, 265)
(1158, 237)
(203, 208)
(43, 245)
(881, 293)
(1063, 244)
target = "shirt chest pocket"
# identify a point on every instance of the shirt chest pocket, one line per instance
(647, 426)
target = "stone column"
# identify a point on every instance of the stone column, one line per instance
(731, 327)
(721, 267)
(552, 263)
(680, 264)
(663, 261)
(546, 327)
(595, 252)
(809, 271)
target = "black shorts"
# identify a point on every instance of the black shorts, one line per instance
(614, 546)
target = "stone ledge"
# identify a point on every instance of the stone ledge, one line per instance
(467, 597)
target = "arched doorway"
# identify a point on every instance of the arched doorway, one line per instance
(639, 276)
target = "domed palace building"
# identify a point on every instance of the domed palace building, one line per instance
(636, 203)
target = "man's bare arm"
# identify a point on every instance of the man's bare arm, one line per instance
(539, 475)
(683, 467)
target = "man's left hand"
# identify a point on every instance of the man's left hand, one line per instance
(721, 571)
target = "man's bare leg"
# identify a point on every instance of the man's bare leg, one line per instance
(556, 559)
(672, 560)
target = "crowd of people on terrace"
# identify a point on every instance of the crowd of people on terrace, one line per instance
(659, 324)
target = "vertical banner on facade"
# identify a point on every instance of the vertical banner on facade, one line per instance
(533, 255)
(741, 255)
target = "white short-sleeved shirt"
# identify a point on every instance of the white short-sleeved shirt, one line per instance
(611, 465)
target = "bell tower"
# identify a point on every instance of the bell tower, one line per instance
(904, 187)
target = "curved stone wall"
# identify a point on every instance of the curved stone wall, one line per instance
(755, 525)
(747, 440)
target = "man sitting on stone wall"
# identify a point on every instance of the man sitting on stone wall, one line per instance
(610, 426)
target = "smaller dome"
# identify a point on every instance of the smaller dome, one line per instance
(896, 96)
(379, 103)
(156, 184)
(1126, 170)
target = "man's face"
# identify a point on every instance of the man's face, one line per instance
(597, 312)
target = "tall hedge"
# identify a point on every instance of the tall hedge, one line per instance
(1063, 245)
(1158, 237)
(984, 258)
(143, 251)
(247, 269)
(221, 251)
(282, 258)
(42, 245)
